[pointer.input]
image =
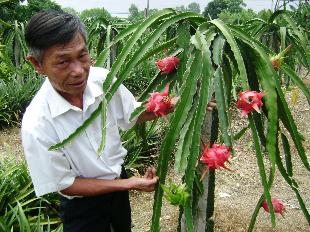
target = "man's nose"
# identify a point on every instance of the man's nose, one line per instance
(76, 68)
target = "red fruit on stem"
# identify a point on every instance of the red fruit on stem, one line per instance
(249, 101)
(216, 156)
(278, 206)
(168, 64)
(160, 103)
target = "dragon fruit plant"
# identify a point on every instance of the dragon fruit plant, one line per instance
(214, 59)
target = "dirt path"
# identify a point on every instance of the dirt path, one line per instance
(236, 192)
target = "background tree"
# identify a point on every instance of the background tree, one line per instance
(237, 18)
(70, 10)
(302, 14)
(214, 8)
(25, 12)
(265, 14)
(134, 13)
(181, 8)
(193, 7)
(9, 10)
(95, 13)
(13, 9)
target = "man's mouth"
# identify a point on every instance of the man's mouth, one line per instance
(78, 83)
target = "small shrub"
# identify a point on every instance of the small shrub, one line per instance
(20, 209)
(15, 95)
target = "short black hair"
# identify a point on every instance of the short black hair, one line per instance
(48, 28)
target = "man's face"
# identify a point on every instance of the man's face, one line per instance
(67, 67)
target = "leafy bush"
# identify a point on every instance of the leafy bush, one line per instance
(15, 95)
(20, 209)
(142, 143)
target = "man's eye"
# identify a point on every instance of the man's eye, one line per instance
(62, 62)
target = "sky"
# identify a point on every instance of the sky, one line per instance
(122, 6)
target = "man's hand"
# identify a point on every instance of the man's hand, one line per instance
(146, 183)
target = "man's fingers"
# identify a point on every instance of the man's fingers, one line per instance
(153, 171)
(150, 173)
(147, 173)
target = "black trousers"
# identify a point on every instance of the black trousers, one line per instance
(97, 214)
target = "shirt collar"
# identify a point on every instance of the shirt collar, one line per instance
(59, 105)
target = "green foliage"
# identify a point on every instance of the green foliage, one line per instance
(301, 13)
(142, 143)
(20, 209)
(265, 14)
(211, 53)
(134, 13)
(15, 95)
(13, 10)
(34, 6)
(175, 194)
(15, 46)
(70, 10)
(215, 58)
(279, 31)
(192, 7)
(90, 15)
(9, 10)
(237, 18)
(214, 8)
(102, 28)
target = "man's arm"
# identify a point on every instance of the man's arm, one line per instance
(94, 187)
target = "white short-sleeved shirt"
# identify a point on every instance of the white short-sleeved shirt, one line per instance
(50, 118)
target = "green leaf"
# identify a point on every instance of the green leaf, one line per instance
(185, 142)
(268, 79)
(142, 50)
(302, 40)
(293, 184)
(234, 47)
(157, 81)
(240, 133)
(128, 46)
(262, 171)
(220, 93)
(78, 131)
(283, 37)
(123, 34)
(139, 110)
(289, 124)
(177, 121)
(203, 97)
(296, 79)
(195, 148)
(103, 113)
(158, 49)
(287, 155)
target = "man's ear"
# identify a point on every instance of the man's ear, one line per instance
(37, 65)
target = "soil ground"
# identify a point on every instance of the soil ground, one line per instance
(236, 192)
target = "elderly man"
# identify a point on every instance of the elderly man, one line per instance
(94, 189)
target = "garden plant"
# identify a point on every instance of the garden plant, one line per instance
(177, 62)
(212, 59)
